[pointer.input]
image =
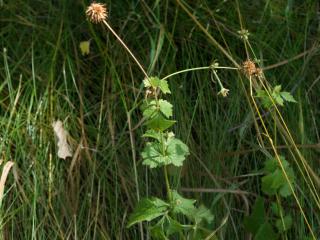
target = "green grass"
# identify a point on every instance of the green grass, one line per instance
(91, 195)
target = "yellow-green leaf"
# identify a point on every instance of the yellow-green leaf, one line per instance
(84, 47)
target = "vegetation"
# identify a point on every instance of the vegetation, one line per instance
(239, 160)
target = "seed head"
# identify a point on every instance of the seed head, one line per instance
(97, 12)
(249, 67)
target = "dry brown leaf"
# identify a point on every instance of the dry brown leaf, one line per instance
(5, 172)
(64, 149)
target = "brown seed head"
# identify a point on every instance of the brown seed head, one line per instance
(250, 68)
(97, 12)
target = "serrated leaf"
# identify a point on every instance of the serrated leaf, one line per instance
(270, 165)
(164, 87)
(176, 151)
(152, 134)
(278, 99)
(275, 180)
(265, 99)
(159, 123)
(277, 89)
(165, 108)
(261, 93)
(84, 47)
(285, 189)
(152, 155)
(284, 224)
(155, 82)
(257, 218)
(266, 232)
(277, 96)
(202, 214)
(287, 97)
(172, 226)
(150, 109)
(182, 205)
(151, 82)
(147, 210)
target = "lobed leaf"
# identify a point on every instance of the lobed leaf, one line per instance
(275, 181)
(284, 224)
(155, 82)
(202, 214)
(174, 153)
(182, 205)
(147, 210)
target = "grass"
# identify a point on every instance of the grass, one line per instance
(44, 78)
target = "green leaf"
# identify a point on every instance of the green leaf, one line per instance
(172, 226)
(147, 210)
(276, 209)
(165, 227)
(165, 108)
(155, 82)
(284, 224)
(258, 217)
(164, 87)
(152, 155)
(157, 232)
(261, 93)
(270, 165)
(150, 109)
(159, 123)
(278, 99)
(176, 151)
(267, 184)
(275, 180)
(265, 232)
(265, 99)
(202, 214)
(182, 205)
(287, 97)
(277, 89)
(277, 96)
(285, 189)
(84, 47)
(152, 134)
(151, 82)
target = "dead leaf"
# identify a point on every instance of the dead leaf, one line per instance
(5, 172)
(64, 149)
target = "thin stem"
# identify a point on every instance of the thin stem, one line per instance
(165, 170)
(217, 77)
(129, 119)
(126, 48)
(197, 69)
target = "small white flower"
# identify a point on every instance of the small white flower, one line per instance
(224, 92)
(244, 34)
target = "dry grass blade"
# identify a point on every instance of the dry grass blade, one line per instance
(4, 175)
